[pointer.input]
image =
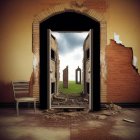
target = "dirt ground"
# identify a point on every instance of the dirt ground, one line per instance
(56, 124)
(70, 100)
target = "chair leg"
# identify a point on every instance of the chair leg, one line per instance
(17, 108)
(34, 106)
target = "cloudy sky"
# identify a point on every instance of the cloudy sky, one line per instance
(70, 45)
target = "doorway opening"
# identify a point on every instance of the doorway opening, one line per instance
(70, 21)
(70, 52)
(78, 75)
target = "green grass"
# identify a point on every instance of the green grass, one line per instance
(73, 88)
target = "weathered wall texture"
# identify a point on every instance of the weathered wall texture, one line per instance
(87, 65)
(123, 82)
(87, 59)
(54, 65)
(17, 17)
(65, 77)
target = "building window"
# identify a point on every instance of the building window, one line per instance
(53, 88)
(87, 54)
(52, 54)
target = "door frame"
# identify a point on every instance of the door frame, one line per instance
(90, 35)
(96, 42)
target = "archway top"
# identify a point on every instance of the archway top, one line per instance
(68, 7)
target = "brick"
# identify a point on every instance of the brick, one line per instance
(123, 81)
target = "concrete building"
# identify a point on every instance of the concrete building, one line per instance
(54, 66)
(87, 65)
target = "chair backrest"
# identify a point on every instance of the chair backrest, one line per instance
(20, 88)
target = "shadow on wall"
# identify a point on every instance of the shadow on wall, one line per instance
(6, 92)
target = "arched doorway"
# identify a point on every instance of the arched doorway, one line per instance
(70, 21)
(46, 14)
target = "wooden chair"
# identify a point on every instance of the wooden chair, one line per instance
(20, 89)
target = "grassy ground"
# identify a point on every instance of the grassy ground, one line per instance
(73, 88)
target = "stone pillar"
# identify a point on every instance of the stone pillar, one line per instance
(65, 77)
(76, 75)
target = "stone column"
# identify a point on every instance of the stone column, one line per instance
(76, 75)
(65, 77)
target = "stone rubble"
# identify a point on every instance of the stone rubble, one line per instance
(69, 100)
(128, 120)
(73, 115)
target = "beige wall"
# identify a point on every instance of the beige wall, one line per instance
(16, 19)
(124, 19)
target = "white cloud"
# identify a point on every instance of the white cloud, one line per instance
(68, 41)
(82, 35)
(56, 35)
(70, 46)
(70, 61)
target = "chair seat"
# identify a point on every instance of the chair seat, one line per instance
(25, 99)
(20, 87)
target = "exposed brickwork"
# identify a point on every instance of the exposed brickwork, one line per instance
(54, 63)
(123, 82)
(65, 77)
(99, 5)
(94, 10)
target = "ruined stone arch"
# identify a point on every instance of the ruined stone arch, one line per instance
(78, 74)
(45, 14)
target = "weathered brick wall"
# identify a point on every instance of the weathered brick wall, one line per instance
(54, 43)
(53, 64)
(123, 82)
(65, 77)
(83, 8)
